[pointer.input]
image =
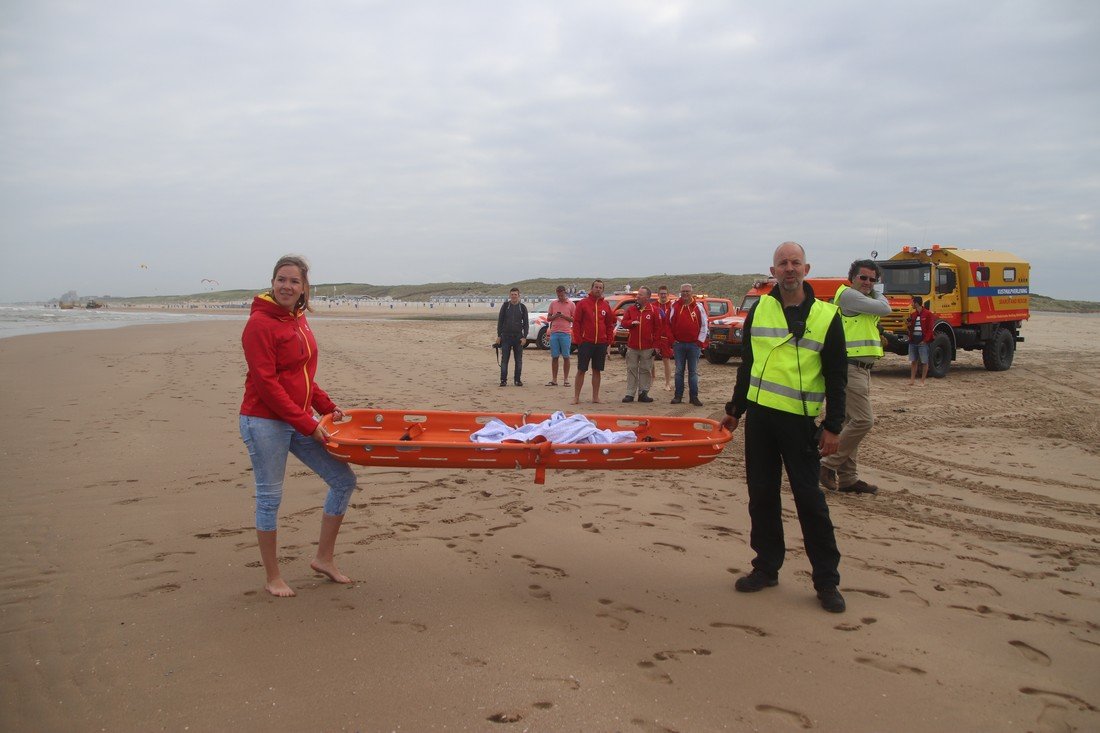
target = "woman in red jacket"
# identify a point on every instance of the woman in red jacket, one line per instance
(277, 417)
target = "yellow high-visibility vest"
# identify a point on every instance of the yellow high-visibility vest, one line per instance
(786, 372)
(861, 335)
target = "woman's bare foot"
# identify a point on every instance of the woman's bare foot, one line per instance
(575, 402)
(329, 569)
(279, 588)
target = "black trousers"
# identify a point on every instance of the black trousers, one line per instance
(508, 345)
(774, 440)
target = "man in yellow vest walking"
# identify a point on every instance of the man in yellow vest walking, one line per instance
(793, 360)
(860, 308)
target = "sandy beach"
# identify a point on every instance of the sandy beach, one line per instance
(131, 597)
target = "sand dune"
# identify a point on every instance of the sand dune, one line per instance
(132, 597)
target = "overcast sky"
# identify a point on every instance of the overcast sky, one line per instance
(146, 146)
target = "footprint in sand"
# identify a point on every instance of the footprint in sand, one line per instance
(414, 625)
(589, 527)
(750, 630)
(791, 716)
(653, 673)
(1031, 653)
(537, 591)
(649, 726)
(1063, 696)
(892, 667)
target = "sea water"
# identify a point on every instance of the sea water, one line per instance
(20, 320)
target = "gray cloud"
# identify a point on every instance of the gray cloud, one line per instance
(499, 141)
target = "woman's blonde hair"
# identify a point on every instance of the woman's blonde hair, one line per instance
(303, 268)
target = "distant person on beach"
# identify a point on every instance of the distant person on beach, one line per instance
(687, 323)
(512, 336)
(920, 325)
(560, 316)
(644, 327)
(793, 359)
(593, 330)
(664, 348)
(860, 308)
(277, 417)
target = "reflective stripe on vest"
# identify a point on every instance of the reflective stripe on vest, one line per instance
(786, 374)
(861, 335)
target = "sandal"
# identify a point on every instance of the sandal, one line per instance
(566, 384)
(551, 384)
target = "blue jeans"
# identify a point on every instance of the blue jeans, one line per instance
(687, 353)
(269, 442)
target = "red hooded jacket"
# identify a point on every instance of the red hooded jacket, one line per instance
(282, 361)
(927, 323)
(645, 326)
(593, 322)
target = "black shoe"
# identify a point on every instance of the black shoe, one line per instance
(504, 383)
(519, 383)
(831, 600)
(859, 487)
(644, 397)
(676, 400)
(628, 398)
(695, 401)
(754, 581)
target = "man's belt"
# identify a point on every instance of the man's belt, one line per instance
(861, 364)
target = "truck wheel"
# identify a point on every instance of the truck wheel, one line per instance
(543, 339)
(714, 358)
(939, 356)
(999, 350)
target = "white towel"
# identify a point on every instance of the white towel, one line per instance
(558, 428)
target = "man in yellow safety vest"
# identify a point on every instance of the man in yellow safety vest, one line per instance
(793, 360)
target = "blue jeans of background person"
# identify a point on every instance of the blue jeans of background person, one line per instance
(561, 342)
(918, 352)
(268, 442)
(508, 346)
(687, 353)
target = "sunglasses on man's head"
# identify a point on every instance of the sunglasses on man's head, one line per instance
(867, 278)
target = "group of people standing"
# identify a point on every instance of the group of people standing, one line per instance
(802, 391)
(662, 329)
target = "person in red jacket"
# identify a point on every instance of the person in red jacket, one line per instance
(921, 322)
(687, 321)
(593, 330)
(645, 328)
(277, 417)
(664, 348)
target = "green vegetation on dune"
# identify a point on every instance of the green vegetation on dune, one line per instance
(713, 283)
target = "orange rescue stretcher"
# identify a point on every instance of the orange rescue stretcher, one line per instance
(441, 439)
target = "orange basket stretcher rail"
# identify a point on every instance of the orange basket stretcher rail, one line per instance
(441, 439)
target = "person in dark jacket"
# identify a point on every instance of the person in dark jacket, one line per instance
(277, 417)
(793, 360)
(512, 336)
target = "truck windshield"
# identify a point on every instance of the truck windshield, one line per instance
(749, 302)
(906, 278)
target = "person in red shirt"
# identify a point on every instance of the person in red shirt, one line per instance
(645, 327)
(277, 417)
(593, 330)
(687, 322)
(920, 324)
(664, 348)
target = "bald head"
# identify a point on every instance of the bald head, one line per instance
(789, 267)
